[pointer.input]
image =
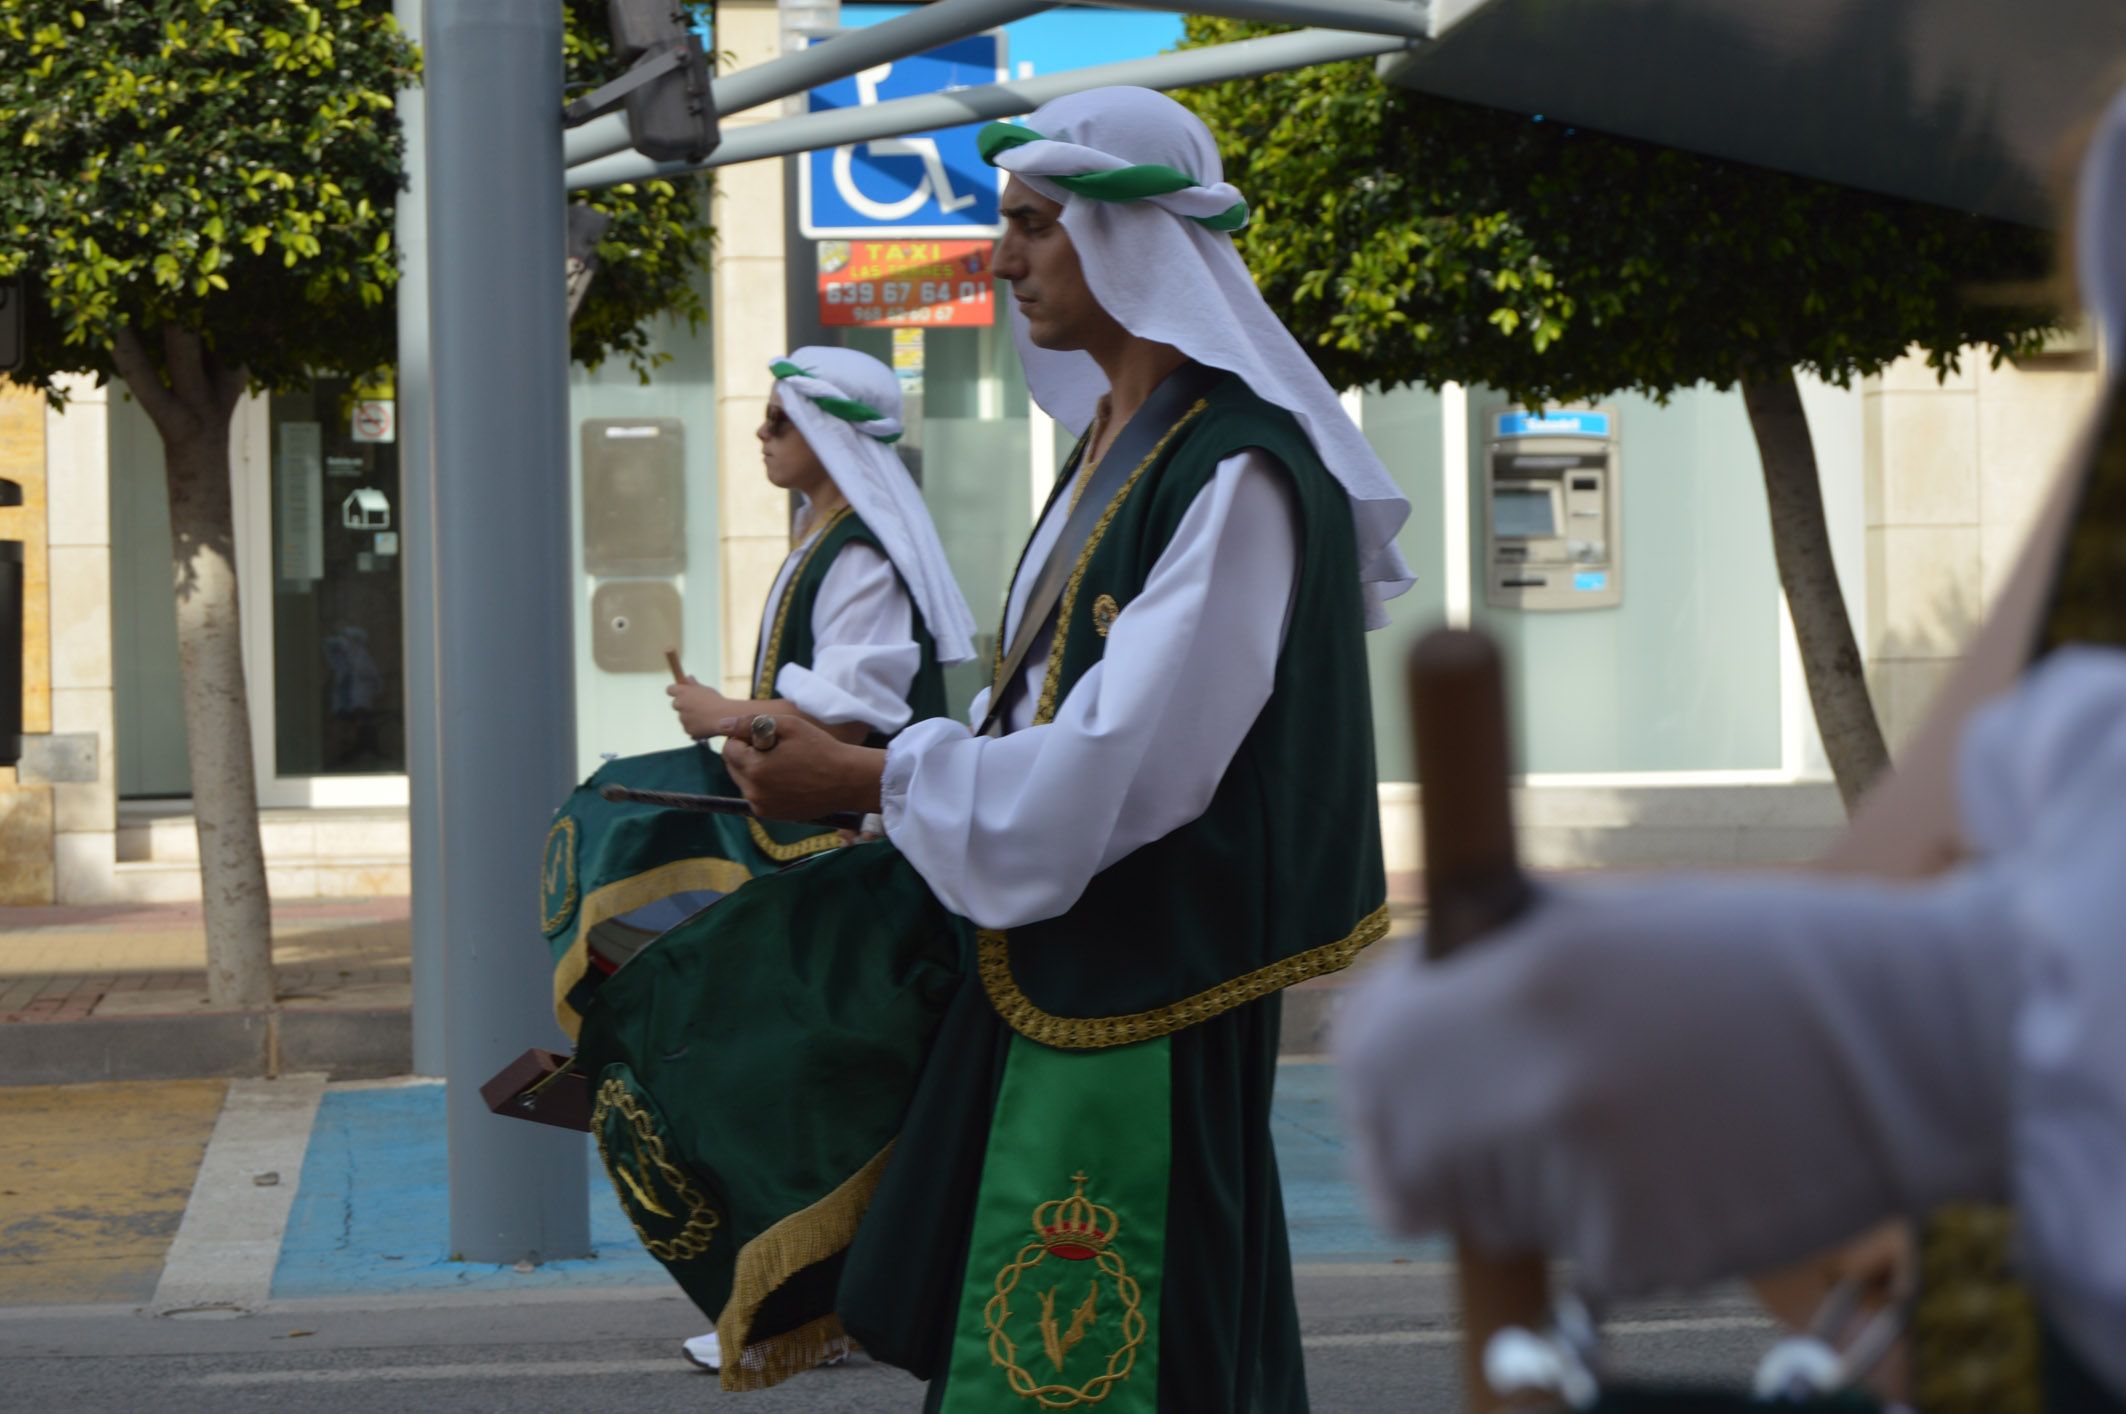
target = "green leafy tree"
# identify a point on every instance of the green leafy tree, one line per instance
(1410, 239)
(199, 198)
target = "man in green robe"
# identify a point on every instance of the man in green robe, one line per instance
(992, 1096)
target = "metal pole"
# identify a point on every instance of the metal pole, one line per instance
(417, 567)
(1410, 18)
(834, 128)
(505, 704)
(845, 54)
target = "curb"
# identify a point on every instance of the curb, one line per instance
(342, 1044)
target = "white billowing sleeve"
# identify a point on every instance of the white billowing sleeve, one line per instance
(864, 654)
(2044, 774)
(1665, 1082)
(1009, 830)
(1668, 1081)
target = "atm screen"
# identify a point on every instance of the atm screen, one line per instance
(1522, 514)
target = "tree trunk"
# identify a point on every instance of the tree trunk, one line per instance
(191, 400)
(1801, 544)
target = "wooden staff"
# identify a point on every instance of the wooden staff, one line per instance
(1473, 885)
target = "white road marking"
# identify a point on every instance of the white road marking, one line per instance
(544, 1369)
(230, 1238)
(674, 1365)
(1447, 1335)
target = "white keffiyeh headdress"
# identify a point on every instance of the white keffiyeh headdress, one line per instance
(1150, 215)
(847, 406)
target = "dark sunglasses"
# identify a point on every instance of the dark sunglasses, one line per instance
(778, 421)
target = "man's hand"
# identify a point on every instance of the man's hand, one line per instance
(808, 772)
(701, 708)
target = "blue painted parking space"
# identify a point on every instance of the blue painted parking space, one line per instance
(373, 1211)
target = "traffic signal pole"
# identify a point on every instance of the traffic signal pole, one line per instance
(505, 735)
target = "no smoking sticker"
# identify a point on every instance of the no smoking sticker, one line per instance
(373, 420)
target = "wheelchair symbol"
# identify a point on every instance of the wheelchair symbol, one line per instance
(936, 181)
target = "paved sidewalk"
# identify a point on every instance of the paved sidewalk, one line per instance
(294, 1190)
(68, 964)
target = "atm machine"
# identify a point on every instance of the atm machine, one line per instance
(1551, 510)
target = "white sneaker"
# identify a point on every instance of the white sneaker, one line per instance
(706, 1351)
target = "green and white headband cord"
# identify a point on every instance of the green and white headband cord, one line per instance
(830, 400)
(1102, 176)
(1148, 213)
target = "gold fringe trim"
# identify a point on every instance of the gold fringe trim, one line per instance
(1974, 1333)
(799, 849)
(1086, 1033)
(805, 1237)
(623, 896)
(771, 651)
(792, 1353)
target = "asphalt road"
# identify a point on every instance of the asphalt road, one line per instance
(1379, 1337)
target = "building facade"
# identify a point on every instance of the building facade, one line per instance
(1670, 727)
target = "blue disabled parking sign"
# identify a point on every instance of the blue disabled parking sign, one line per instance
(931, 184)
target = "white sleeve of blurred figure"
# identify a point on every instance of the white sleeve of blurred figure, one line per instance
(2044, 776)
(864, 653)
(1010, 829)
(1667, 1082)
(1670, 1082)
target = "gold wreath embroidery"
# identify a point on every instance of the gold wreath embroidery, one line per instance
(557, 875)
(1072, 1230)
(1104, 611)
(693, 1239)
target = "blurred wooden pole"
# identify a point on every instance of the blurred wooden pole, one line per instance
(1473, 885)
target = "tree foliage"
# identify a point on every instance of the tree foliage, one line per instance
(231, 167)
(1410, 239)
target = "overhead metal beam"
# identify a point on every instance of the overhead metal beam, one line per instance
(838, 127)
(1412, 19)
(847, 53)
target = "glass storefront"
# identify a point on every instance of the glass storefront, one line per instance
(965, 407)
(338, 689)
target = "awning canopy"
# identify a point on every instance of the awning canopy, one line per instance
(1972, 104)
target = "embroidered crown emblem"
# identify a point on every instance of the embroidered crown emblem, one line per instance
(1073, 1331)
(1074, 1228)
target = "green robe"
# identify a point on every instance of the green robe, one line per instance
(1034, 1168)
(605, 859)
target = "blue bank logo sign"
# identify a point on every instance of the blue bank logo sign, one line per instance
(931, 185)
(1553, 424)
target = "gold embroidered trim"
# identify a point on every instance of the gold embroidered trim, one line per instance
(805, 1237)
(693, 1239)
(1045, 710)
(1105, 612)
(624, 896)
(1087, 1033)
(784, 853)
(1976, 1346)
(794, 1352)
(771, 651)
(564, 830)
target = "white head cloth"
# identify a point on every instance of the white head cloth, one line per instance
(2100, 225)
(876, 482)
(1166, 276)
